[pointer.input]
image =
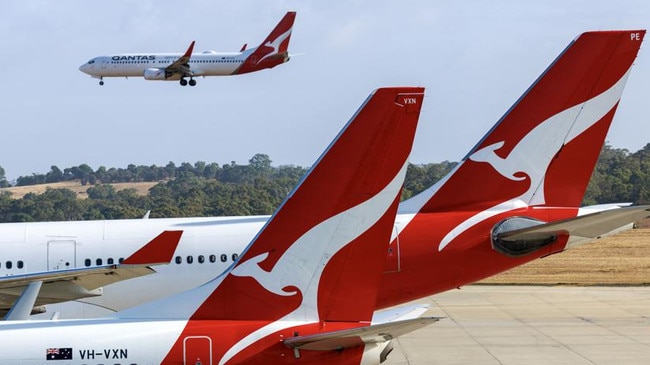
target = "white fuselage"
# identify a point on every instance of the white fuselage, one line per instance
(208, 63)
(208, 246)
(102, 341)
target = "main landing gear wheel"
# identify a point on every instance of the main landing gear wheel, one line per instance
(192, 82)
(101, 82)
(183, 82)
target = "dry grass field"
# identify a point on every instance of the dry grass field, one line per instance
(18, 192)
(623, 259)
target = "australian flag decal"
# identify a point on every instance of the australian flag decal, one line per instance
(64, 353)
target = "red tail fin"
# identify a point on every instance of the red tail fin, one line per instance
(543, 150)
(273, 51)
(319, 257)
(322, 252)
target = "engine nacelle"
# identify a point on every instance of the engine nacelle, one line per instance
(155, 74)
(519, 247)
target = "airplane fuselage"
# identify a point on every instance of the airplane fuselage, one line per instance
(119, 341)
(134, 65)
(414, 265)
(177, 66)
(207, 248)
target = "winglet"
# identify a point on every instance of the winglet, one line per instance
(159, 250)
(188, 53)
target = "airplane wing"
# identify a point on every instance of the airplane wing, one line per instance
(71, 284)
(182, 64)
(591, 225)
(339, 340)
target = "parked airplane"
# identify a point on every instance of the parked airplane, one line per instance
(62, 282)
(499, 208)
(303, 291)
(175, 66)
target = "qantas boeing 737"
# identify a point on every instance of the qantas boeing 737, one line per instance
(177, 67)
(303, 291)
(514, 198)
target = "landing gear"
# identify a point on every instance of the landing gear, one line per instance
(184, 82)
(101, 81)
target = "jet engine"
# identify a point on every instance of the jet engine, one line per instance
(519, 247)
(155, 74)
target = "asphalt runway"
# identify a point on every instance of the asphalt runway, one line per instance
(532, 325)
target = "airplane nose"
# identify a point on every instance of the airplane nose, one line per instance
(84, 68)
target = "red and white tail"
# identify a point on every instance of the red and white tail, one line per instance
(274, 50)
(543, 150)
(323, 250)
(320, 256)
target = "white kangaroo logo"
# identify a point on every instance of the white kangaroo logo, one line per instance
(275, 44)
(533, 154)
(301, 267)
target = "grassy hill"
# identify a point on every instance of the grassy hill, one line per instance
(17, 192)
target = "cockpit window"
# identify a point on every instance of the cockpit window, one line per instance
(91, 62)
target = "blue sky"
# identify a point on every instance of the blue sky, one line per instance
(474, 57)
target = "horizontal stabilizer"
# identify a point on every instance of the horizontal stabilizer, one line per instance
(591, 225)
(399, 313)
(338, 340)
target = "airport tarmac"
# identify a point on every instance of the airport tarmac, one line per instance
(532, 325)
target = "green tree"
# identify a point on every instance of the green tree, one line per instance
(3, 179)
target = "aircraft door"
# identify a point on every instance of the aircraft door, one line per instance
(61, 254)
(104, 64)
(393, 254)
(197, 350)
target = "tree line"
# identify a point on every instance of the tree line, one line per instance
(201, 189)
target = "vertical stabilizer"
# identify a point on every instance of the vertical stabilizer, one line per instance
(543, 150)
(274, 50)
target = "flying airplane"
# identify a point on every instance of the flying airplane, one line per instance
(61, 282)
(302, 292)
(177, 67)
(514, 198)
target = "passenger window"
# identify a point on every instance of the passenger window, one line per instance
(20, 264)
(98, 262)
(121, 260)
(201, 259)
(224, 257)
(110, 261)
(178, 259)
(234, 256)
(213, 258)
(8, 265)
(88, 262)
(190, 259)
